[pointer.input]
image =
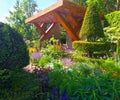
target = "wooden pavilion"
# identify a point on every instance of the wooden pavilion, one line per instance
(63, 12)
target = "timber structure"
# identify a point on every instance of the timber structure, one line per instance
(63, 12)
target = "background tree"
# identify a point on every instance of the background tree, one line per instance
(103, 6)
(91, 28)
(106, 6)
(112, 26)
(79, 2)
(22, 10)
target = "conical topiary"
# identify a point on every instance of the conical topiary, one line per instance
(91, 28)
(13, 50)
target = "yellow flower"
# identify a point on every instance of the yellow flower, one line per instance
(32, 49)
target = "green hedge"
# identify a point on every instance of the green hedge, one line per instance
(94, 46)
(13, 50)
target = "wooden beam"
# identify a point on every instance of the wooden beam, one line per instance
(39, 28)
(47, 32)
(46, 11)
(66, 25)
(72, 7)
(42, 25)
(42, 37)
(73, 20)
(50, 28)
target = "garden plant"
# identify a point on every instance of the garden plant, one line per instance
(90, 70)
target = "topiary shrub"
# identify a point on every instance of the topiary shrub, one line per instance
(101, 47)
(13, 50)
(91, 28)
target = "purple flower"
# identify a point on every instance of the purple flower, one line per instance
(69, 50)
(67, 61)
(64, 96)
(36, 55)
(56, 91)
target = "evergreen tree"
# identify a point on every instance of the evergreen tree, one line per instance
(91, 28)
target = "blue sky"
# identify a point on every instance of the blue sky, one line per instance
(6, 5)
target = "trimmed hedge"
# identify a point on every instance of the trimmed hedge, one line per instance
(94, 46)
(13, 50)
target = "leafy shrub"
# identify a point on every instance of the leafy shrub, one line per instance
(91, 28)
(44, 60)
(63, 36)
(87, 81)
(5, 79)
(13, 50)
(112, 19)
(84, 46)
(112, 26)
(118, 52)
(16, 85)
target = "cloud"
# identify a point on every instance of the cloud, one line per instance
(3, 19)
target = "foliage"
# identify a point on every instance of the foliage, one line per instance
(112, 26)
(87, 81)
(17, 85)
(91, 27)
(53, 40)
(100, 4)
(44, 60)
(79, 57)
(103, 6)
(118, 52)
(79, 2)
(112, 19)
(54, 50)
(103, 47)
(5, 79)
(22, 10)
(106, 6)
(63, 36)
(13, 50)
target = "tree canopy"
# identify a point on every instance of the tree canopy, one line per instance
(104, 6)
(22, 10)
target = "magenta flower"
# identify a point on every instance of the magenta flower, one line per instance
(36, 55)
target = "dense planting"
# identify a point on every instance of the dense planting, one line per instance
(70, 78)
(13, 50)
(89, 71)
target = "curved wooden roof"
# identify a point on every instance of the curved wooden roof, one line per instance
(68, 14)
